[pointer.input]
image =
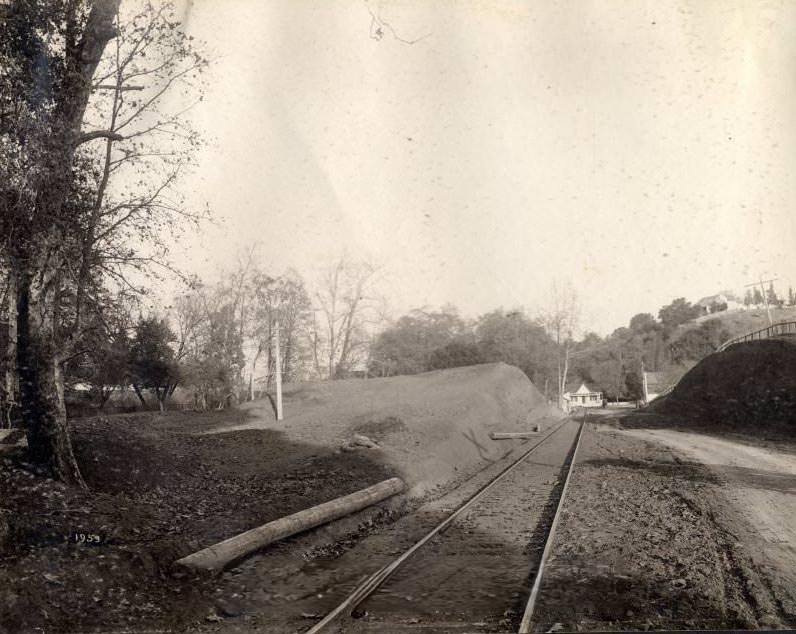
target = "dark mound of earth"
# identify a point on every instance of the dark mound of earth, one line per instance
(751, 383)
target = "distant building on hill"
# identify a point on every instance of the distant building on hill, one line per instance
(654, 384)
(583, 397)
(718, 303)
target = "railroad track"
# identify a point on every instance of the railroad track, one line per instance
(480, 569)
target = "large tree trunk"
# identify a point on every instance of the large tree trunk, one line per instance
(39, 356)
(42, 392)
(10, 383)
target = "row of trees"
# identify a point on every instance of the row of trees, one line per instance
(223, 338)
(216, 342)
(544, 346)
(755, 297)
(615, 364)
(540, 346)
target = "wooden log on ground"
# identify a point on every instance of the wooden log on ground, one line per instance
(216, 557)
(511, 435)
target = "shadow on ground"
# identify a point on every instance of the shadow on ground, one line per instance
(156, 493)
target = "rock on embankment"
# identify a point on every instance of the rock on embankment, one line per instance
(431, 428)
(749, 384)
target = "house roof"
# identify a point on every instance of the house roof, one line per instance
(583, 390)
(706, 302)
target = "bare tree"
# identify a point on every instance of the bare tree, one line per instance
(281, 302)
(208, 341)
(224, 330)
(347, 305)
(561, 319)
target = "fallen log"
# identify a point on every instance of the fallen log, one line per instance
(218, 556)
(509, 435)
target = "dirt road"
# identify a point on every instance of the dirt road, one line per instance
(761, 484)
(649, 541)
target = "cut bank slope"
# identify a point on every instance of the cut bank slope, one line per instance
(750, 384)
(432, 427)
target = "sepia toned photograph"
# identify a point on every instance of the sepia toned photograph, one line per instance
(397, 316)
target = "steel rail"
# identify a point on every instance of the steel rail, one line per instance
(367, 587)
(525, 624)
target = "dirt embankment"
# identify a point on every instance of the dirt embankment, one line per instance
(748, 386)
(432, 428)
(160, 487)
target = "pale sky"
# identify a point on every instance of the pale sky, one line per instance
(641, 150)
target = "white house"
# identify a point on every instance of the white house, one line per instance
(583, 397)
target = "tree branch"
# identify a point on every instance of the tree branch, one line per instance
(116, 87)
(99, 134)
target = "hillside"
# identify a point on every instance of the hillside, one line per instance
(432, 427)
(740, 322)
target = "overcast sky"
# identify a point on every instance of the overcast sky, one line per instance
(641, 150)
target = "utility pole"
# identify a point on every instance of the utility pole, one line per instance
(644, 381)
(765, 295)
(278, 374)
(278, 367)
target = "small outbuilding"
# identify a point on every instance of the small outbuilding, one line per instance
(583, 397)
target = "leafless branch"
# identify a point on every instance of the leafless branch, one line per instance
(118, 88)
(158, 94)
(99, 134)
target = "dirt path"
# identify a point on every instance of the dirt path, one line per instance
(761, 484)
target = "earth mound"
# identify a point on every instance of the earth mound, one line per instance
(432, 427)
(749, 384)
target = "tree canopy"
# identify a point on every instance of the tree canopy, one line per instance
(89, 161)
